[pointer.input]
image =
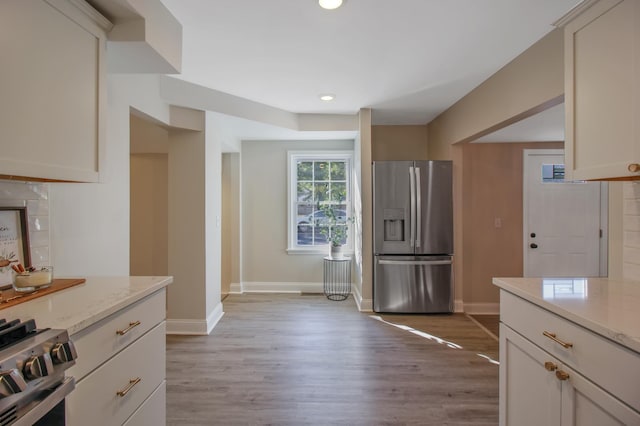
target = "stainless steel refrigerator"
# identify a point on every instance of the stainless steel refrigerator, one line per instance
(412, 236)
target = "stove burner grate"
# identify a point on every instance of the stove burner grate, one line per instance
(14, 331)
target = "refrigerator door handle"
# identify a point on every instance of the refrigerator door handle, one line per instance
(412, 190)
(418, 207)
(415, 262)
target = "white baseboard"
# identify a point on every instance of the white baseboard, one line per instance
(458, 305)
(364, 305)
(280, 287)
(482, 308)
(196, 326)
(235, 288)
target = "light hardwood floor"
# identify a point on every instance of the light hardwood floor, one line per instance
(304, 360)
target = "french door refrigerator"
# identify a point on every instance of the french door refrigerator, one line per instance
(412, 236)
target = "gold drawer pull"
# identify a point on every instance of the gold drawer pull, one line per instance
(130, 386)
(553, 337)
(550, 366)
(128, 329)
(562, 375)
(634, 167)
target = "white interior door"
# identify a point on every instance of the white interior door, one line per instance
(562, 220)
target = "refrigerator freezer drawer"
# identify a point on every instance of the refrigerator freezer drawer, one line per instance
(413, 284)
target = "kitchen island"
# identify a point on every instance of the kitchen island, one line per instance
(569, 351)
(117, 325)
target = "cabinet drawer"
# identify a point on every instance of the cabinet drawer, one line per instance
(96, 396)
(614, 367)
(153, 411)
(99, 342)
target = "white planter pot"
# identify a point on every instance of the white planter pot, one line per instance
(336, 252)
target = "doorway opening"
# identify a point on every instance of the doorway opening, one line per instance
(149, 183)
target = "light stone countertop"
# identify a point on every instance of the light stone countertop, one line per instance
(607, 307)
(78, 307)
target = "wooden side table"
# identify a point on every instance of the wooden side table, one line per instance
(337, 278)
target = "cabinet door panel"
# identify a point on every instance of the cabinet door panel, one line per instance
(52, 86)
(585, 404)
(600, 91)
(529, 394)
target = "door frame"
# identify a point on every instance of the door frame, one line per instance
(604, 212)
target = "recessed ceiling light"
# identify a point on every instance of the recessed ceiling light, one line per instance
(330, 4)
(327, 97)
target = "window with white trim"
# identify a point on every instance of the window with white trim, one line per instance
(319, 181)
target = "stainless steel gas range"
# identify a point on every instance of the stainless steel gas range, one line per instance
(32, 373)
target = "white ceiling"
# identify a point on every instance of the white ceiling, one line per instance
(408, 60)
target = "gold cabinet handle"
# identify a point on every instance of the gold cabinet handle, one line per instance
(562, 375)
(128, 329)
(550, 366)
(553, 337)
(634, 167)
(130, 386)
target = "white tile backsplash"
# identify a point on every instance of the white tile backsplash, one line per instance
(631, 230)
(35, 196)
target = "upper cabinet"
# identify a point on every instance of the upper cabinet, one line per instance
(52, 90)
(602, 91)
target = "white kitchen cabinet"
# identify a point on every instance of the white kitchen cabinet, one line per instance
(602, 91)
(538, 389)
(121, 367)
(570, 377)
(53, 89)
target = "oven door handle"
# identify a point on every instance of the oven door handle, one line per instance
(47, 404)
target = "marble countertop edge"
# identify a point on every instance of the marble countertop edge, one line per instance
(81, 306)
(587, 313)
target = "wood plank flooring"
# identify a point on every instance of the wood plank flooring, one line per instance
(277, 359)
(490, 322)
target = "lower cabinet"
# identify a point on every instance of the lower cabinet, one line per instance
(538, 389)
(121, 379)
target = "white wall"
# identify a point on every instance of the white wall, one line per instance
(213, 222)
(90, 222)
(265, 262)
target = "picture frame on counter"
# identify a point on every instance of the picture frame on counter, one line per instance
(14, 241)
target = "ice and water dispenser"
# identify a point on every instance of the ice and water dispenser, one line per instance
(393, 224)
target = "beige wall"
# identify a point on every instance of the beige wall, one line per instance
(149, 226)
(363, 290)
(148, 198)
(529, 84)
(492, 189)
(399, 143)
(264, 213)
(230, 221)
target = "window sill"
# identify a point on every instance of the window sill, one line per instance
(324, 251)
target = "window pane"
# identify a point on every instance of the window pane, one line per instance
(321, 192)
(304, 227)
(319, 182)
(553, 173)
(338, 170)
(321, 170)
(305, 170)
(340, 211)
(305, 192)
(338, 192)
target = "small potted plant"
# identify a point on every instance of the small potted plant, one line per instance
(334, 226)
